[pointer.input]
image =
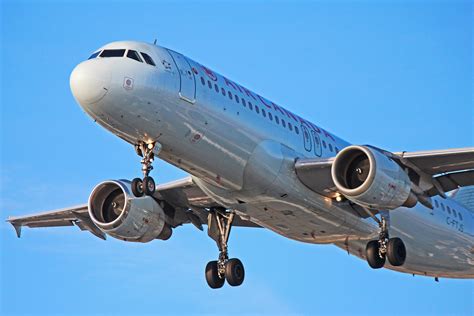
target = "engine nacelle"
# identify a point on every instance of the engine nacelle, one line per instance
(114, 209)
(370, 178)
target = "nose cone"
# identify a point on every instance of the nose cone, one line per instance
(89, 82)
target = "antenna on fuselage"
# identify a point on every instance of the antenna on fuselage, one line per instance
(154, 42)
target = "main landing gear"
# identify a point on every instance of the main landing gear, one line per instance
(219, 225)
(147, 185)
(393, 249)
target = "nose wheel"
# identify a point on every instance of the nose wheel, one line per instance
(393, 249)
(217, 272)
(145, 186)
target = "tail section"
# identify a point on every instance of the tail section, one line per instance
(464, 196)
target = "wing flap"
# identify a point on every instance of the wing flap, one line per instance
(53, 223)
(454, 180)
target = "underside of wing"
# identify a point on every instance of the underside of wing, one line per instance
(440, 171)
(183, 200)
(439, 161)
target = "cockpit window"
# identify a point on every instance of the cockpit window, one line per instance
(94, 55)
(112, 53)
(148, 59)
(134, 55)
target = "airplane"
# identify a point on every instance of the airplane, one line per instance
(252, 163)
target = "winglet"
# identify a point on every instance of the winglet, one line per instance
(17, 229)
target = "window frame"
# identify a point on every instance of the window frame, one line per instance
(136, 54)
(145, 57)
(95, 55)
(113, 50)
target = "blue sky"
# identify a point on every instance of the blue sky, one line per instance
(397, 75)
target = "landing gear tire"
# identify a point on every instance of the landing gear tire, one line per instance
(396, 252)
(137, 187)
(212, 275)
(219, 224)
(149, 186)
(234, 272)
(372, 253)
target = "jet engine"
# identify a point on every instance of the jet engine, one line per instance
(114, 209)
(368, 177)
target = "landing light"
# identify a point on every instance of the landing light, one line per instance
(338, 197)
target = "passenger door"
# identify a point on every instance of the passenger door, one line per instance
(187, 86)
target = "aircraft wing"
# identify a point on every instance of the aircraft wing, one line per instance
(440, 170)
(189, 202)
(435, 162)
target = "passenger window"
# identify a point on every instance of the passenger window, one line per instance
(277, 119)
(337, 150)
(243, 102)
(250, 106)
(442, 207)
(330, 147)
(449, 209)
(94, 55)
(460, 216)
(112, 53)
(264, 113)
(203, 81)
(324, 144)
(270, 116)
(148, 59)
(230, 95)
(134, 55)
(454, 213)
(297, 130)
(290, 126)
(216, 88)
(236, 98)
(436, 204)
(209, 84)
(223, 91)
(283, 122)
(257, 109)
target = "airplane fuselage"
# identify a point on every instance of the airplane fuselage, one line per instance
(241, 148)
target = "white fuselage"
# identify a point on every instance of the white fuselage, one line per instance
(242, 154)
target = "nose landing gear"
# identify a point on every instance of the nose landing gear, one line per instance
(147, 185)
(393, 249)
(219, 225)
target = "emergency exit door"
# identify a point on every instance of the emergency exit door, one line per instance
(187, 86)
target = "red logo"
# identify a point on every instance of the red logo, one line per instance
(209, 73)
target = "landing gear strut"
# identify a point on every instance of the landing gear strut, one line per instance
(393, 249)
(219, 223)
(147, 185)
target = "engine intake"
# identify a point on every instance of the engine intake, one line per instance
(121, 215)
(370, 178)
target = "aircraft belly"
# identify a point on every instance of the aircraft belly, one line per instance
(432, 249)
(432, 246)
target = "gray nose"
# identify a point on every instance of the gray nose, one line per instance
(89, 82)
